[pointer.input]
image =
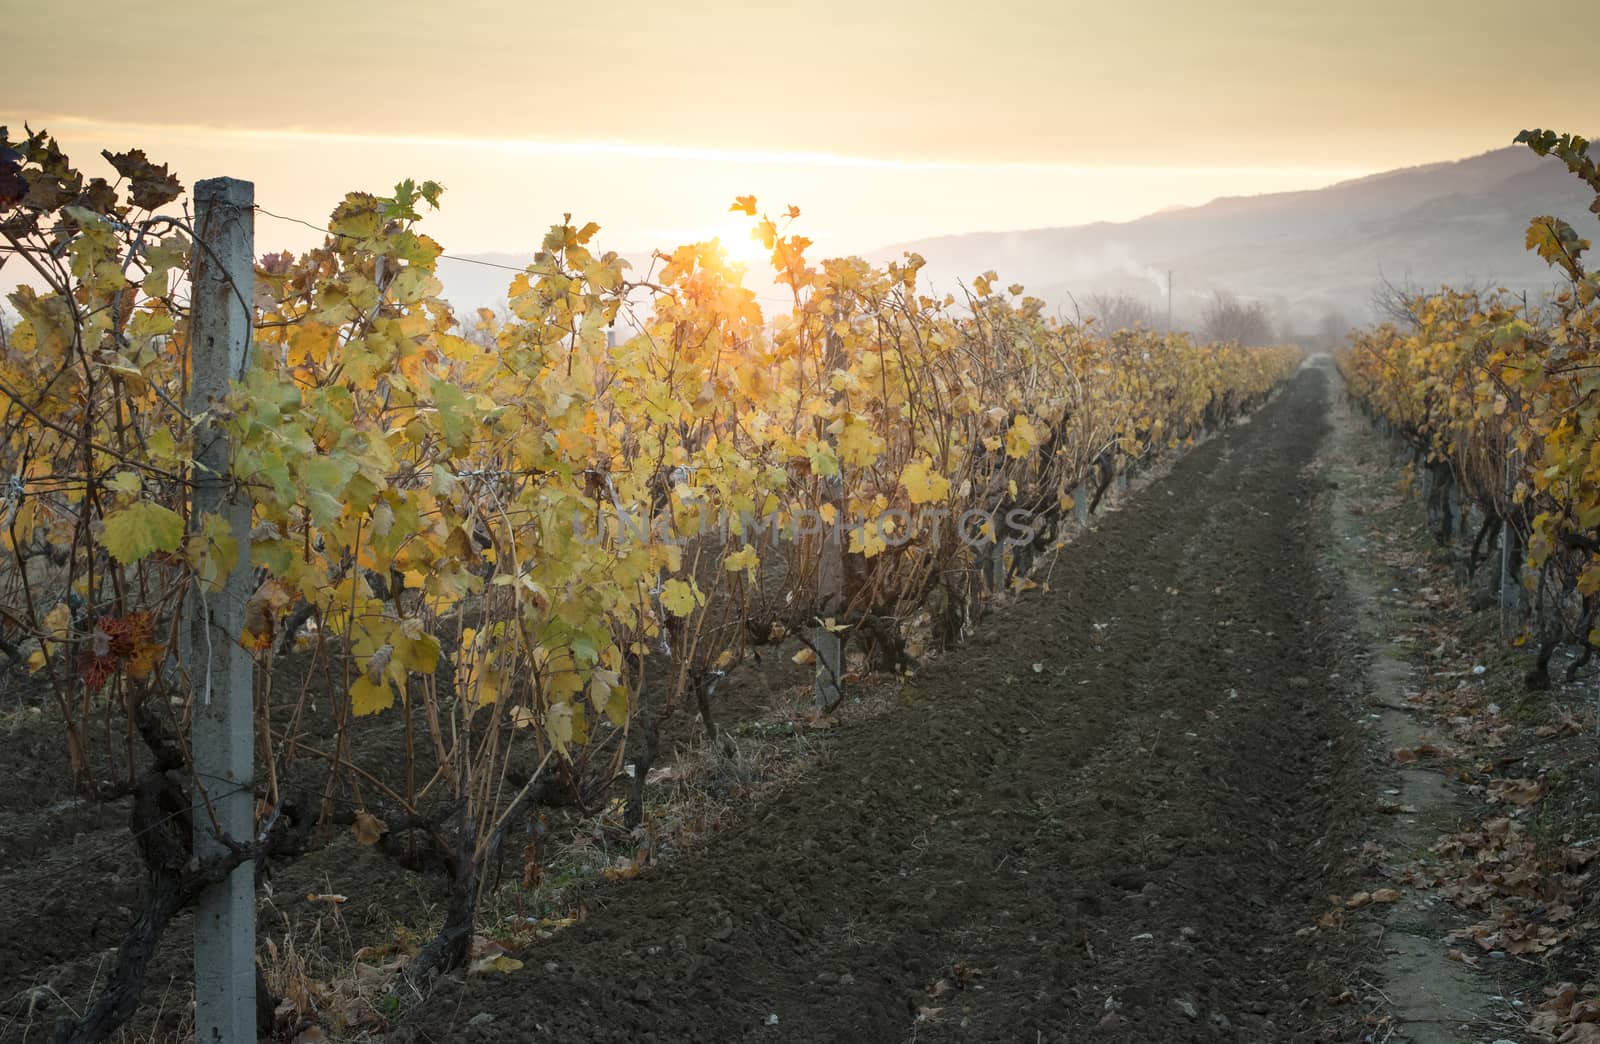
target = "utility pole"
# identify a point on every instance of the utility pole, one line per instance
(1169, 300)
(222, 733)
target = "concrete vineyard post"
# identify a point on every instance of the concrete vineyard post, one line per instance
(222, 734)
(993, 557)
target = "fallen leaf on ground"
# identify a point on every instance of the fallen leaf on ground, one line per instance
(499, 964)
(368, 828)
(1520, 792)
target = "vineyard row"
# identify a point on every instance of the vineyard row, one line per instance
(529, 541)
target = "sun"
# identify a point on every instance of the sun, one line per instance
(734, 234)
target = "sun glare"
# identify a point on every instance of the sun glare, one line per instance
(734, 234)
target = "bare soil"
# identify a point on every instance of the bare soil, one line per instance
(1112, 814)
(1455, 722)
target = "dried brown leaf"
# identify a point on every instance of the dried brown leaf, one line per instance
(368, 828)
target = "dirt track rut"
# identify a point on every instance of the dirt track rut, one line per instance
(1139, 826)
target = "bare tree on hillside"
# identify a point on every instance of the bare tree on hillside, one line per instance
(1226, 318)
(483, 328)
(1114, 312)
(1399, 302)
(1396, 302)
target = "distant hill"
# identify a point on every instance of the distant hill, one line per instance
(1306, 254)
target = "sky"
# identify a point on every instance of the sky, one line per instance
(883, 122)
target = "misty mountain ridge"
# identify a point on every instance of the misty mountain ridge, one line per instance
(1307, 254)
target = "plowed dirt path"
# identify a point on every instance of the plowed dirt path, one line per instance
(1139, 825)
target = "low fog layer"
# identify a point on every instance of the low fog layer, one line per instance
(1311, 260)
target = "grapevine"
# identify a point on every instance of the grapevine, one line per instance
(1498, 396)
(531, 538)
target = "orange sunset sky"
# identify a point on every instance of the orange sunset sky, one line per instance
(884, 122)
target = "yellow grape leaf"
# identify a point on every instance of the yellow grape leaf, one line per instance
(558, 725)
(679, 598)
(745, 558)
(858, 444)
(822, 460)
(141, 529)
(22, 523)
(413, 284)
(126, 482)
(370, 697)
(486, 684)
(59, 621)
(212, 552)
(868, 540)
(843, 380)
(415, 648)
(143, 660)
(1023, 438)
(311, 342)
(924, 485)
(601, 682)
(617, 706)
